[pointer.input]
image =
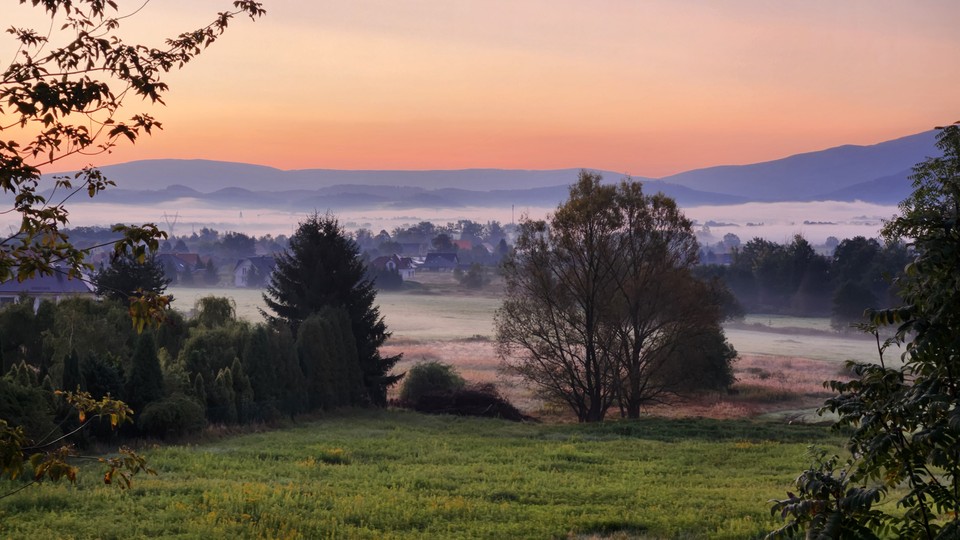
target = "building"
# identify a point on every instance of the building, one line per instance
(54, 287)
(253, 271)
(441, 262)
(389, 263)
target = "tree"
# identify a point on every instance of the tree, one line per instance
(474, 278)
(600, 301)
(322, 269)
(442, 242)
(236, 245)
(127, 275)
(144, 382)
(63, 95)
(903, 419)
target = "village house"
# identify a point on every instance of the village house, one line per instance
(54, 287)
(390, 263)
(253, 271)
(441, 262)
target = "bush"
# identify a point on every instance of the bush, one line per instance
(27, 407)
(429, 378)
(174, 416)
(474, 400)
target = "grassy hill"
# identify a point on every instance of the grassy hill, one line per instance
(393, 474)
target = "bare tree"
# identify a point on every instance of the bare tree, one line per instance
(600, 303)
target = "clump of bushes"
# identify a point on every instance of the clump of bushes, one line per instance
(175, 416)
(436, 388)
(428, 378)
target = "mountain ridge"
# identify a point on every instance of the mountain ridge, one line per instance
(871, 173)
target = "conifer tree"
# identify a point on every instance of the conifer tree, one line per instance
(322, 268)
(145, 379)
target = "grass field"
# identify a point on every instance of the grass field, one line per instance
(393, 474)
(702, 468)
(783, 360)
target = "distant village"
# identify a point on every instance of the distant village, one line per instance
(470, 251)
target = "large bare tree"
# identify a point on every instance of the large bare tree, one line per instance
(601, 307)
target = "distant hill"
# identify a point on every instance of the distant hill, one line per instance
(887, 190)
(243, 186)
(813, 175)
(876, 173)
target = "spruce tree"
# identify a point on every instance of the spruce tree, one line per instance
(322, 268)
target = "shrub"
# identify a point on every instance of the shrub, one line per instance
(429, 378)
(175, 416)
(27, 407)
(474, 400)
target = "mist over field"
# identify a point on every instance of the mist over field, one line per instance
(777, 222)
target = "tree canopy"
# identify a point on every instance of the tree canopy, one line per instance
(600, 301)
(64, 94)
(902, 415)
(126, 276)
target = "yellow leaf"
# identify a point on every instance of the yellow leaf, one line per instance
(83, 416)
(114, 420)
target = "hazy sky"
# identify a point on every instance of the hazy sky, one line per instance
(641, 87)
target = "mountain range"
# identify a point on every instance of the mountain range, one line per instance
(876, 173)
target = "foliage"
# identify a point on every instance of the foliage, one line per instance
(144, 381)
(322, 268)
(174, 416)
(828, 504)
(25, 406)
(43, 460)
(86, 326)
(429, 378)
(388, 279)
(474, 278)
(215, 311)
(63, 95)
(468, 400)
(904, 419)
(328, 357)
(793, 279)
(209, 350)
(370, 474)
(21, 333)
(849, 303)
(600, 301)
(126, 276)
(102, 376)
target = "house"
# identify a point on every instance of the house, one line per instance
(193, 260)
(463, 245)
(55, 287)
(441, 262)
(389, 263)
(413, 249)
(173, 265)
(253, 271)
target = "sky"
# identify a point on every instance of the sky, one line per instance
(647, 88)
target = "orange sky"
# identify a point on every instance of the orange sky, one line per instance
(646, 88)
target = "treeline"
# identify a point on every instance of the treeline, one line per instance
(178, 377)
(793, 279)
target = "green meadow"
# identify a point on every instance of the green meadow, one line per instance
(395, 474)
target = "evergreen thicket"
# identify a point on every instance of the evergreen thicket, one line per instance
(322, 269)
